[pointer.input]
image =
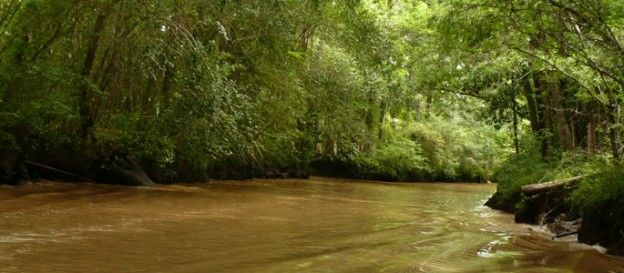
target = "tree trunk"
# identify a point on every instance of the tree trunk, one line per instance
(369, 118)
(515, 117)
(86, 109)
(546, 132)
(429, 105)
(563, 129)
(591, 135)
(613, 137)
(529, 94)
(382, 114)
(419, 109)
(612, 123)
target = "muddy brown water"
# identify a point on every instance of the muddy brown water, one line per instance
(316, 225)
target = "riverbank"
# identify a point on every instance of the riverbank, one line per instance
(593, 208)
(118, 166)
(391, 171)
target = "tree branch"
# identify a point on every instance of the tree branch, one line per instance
(553, 65)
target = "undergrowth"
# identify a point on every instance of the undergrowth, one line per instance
(605, 186)
(531, 168)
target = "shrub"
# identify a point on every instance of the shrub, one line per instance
(605, 186)
(396, 160)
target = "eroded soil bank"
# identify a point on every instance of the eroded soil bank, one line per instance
(603, 225)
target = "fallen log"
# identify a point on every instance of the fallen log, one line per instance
(534, 189)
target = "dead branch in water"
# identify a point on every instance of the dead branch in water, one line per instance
(59, 171)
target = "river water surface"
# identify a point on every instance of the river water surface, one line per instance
(316, 225)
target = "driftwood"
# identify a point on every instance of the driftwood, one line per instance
(564, 234)
(534, 189)
(58, 170)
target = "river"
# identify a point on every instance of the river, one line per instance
(316, 225)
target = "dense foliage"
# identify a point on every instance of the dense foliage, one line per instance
(552, 69)
(199, 89)
(512, 91)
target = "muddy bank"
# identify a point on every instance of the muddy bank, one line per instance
(602, 224)
(123, 168)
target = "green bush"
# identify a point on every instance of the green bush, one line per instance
(397, 160)
(603, 187)
(531, 167)
(276, 152)
(457, 152)
(520, 170)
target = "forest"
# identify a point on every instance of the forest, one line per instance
(509, 91)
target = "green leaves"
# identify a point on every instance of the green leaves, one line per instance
(188, 85)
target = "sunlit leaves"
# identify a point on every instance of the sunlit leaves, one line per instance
(186, 85)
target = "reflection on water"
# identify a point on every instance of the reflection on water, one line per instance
(317, 225)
